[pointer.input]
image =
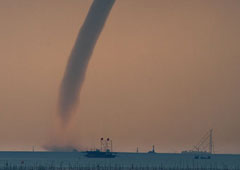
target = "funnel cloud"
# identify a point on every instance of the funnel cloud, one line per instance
(77, 65)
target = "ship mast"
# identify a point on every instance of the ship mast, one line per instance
(211, 141)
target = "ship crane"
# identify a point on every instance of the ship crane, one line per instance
(206, 143)
(106, 145)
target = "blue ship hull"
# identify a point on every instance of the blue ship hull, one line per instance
(99, 154)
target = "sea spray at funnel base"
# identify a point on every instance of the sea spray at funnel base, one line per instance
(80, 55)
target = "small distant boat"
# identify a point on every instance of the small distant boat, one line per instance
(99, 154)
(153, 150)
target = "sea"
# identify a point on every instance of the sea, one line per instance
(123, 160)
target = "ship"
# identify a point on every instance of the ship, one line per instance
(100, 154)
(153, 150)
(104, 152)
(204, 149)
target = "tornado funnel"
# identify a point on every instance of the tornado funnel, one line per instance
(80, 55)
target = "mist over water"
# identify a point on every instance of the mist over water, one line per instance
(78, 61)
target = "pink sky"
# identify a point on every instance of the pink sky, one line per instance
(163, 72)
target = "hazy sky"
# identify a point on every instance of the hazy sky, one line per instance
(163, 72)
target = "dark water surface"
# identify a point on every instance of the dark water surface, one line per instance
(124, 160)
